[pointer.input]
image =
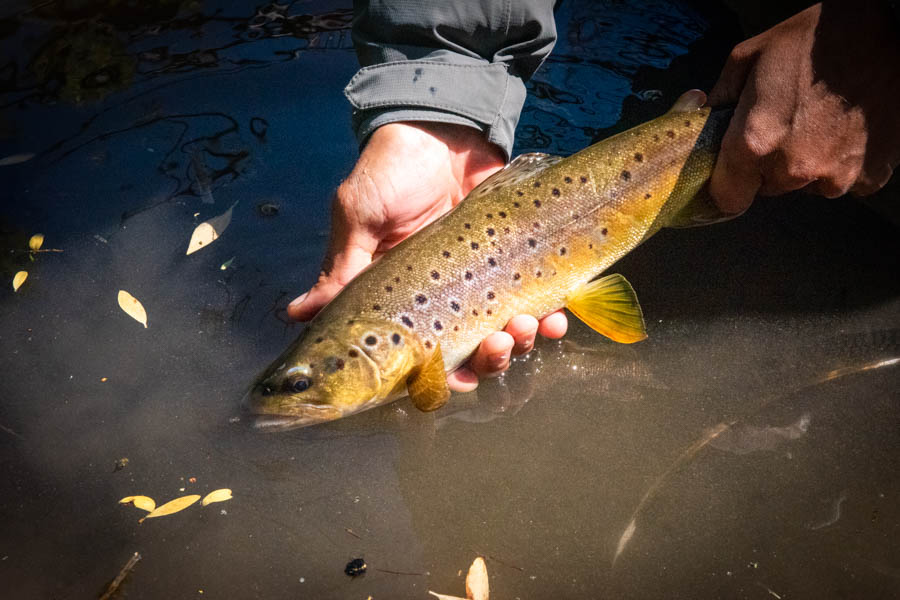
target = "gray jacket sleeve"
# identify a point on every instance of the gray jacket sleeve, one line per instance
(462, 62)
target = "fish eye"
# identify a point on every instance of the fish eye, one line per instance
(301, 384)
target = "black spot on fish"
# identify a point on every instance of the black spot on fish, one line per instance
(583, 179)
(455, 306)
(590, 246)
(407, 321)
(687, 123)
(428, 344)
(446, 254)
(438, 326)
(396, 280)
(538, 274)
(562, 251)
(516, 276)
(376, 307)
(670, 133)
(537, 203)
(395, 338)
(371, 340)
(474, 313)
(603, 231)
(456, 328)
(432, 89)
(350, 321)
(536, 225)
(532, 242)
(319, 340)
(655, 138)
(490, 231)
(421, 298)
(647, 196)
(489, 312)
(490, 295)
(575, 216)
(555, 192)
(626, 175)
(468, 275)
(505, 230)
(353, 354)
(516, 204)
(435, 275)
(460, 238)
(467, 225)
(409, 267)
(489, 215)
(339, 364)
(537, 184)
(502, 214)
(389, 288)
(568, 180)
(638, 157)
(520, 193)
(474, 245)
(492, 262)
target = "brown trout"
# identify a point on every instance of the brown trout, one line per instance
(528, 240)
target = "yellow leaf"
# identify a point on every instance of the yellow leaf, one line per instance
(209, 231)
(217, 496)
(172, 506)
(19, 279)
(142, 502)
(36, 241)
(132, 307)
(477, 581)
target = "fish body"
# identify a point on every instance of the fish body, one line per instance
(528, 240)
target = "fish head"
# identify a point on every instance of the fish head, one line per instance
(331, 371)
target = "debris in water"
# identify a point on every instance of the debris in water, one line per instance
(132, 307)
(142, 502)
(209, 231)
(356, 567)
(267, 209)
(476, 583)
(36, 241)
(121, 463)
(226, 264)
(114, 586)
(217, 496)
(19, 279)
(172, 506)
(16, 159)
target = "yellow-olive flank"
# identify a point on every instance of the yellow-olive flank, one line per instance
(529, 240)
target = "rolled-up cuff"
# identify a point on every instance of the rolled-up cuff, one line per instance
(477, 94)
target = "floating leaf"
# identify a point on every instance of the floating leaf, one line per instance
(19, 279)
(209, 231)
(142, 502)
(477, 581)
(227, 264)
(132, 307)
(16, 159)
(36, 241)
(217, 496)
(172, 506)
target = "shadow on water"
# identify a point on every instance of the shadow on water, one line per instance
(749, 447)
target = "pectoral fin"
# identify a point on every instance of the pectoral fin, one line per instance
(609, 306)
(427, 387)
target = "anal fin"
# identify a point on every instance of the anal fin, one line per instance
(609, 306)
(428, 387)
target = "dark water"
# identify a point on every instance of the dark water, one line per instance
(748, 449)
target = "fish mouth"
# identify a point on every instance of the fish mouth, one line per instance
(285, 417)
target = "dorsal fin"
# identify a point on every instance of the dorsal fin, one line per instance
(689, 101)
(521, 167)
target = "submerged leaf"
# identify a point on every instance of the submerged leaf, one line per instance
(132, 307)
(477, 581)
(209, 231)
(36, 241)
(16, 159)
(142, 502)
(227, 264)
(19, 279)
(217, 496)
(172, 506)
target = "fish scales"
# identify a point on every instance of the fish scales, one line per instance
(526, 241)
(525, 248)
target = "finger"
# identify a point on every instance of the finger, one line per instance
(727, 89)
(871, 180)
(344, 267)
(736, 176)
(463, 379)
(554, 325)
(841, 179)
(492, 356)
(523, 329)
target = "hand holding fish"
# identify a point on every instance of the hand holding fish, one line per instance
(407, 176)
(816, 106)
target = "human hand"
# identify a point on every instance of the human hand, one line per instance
(407, 176)
(816, 106)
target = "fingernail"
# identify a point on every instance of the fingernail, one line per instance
(298, 300)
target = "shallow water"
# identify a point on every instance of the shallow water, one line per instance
(749, 448)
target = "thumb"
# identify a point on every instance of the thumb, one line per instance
(344, 260)
(734, 74)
